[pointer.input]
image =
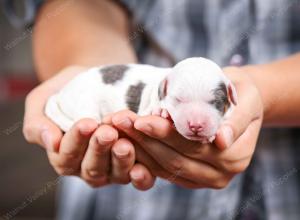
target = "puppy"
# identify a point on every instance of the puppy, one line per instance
(194, 94)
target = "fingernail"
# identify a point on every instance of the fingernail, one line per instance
(121, 151)
(46, 138)
(136, 175)
(93, 173)
(107, 136)
(85, 129)
(228, 136)
(124, 123)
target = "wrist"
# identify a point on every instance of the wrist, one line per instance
(261, 80)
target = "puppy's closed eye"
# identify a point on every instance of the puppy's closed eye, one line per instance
(178, 99)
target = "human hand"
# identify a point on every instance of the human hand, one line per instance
(91, 151)
(195, 165)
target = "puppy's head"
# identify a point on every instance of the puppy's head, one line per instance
(197, 96)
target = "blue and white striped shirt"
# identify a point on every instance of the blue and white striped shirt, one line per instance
(230, 32)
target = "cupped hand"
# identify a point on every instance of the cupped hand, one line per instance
(91, 151)
(191, 164)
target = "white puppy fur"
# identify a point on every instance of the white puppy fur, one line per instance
(195, 94)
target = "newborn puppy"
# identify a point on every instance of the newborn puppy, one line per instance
(194, 94)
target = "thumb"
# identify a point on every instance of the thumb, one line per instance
(37, 128)
(248, 109)
(40, 130)
(231, 130)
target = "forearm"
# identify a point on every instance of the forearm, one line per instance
(84, 32)
(278, 83)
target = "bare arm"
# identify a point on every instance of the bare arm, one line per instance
(279, 85)
(87, 34)
(82, 32)
(69, 37)
(271, 90)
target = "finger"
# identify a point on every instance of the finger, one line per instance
(166, 134)
(247, 110)
(157, 170)
(195, 171)
(96, 162)
(169, 159)
(73, 147)
(231, 162)
(37, 128)
(75, 141)
(141, 177)
(124, 118)
(163, 129)
(123, 159)
(173, 162)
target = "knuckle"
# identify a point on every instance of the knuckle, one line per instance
(70, 157)
(30, 95)
(60, 172)
(63, 171)
(160, 172)
(220, 184)
(96, 182)
(234, 167)
(197, 151)
(64, 168)
(90, 172)
(174, 165)
(28, 132)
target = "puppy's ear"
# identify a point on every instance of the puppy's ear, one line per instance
(162, 89)
(231, 93)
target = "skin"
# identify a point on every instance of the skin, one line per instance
(196, 165)
(135, 149)
(78, 152)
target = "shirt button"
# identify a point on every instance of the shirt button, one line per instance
(236, 60)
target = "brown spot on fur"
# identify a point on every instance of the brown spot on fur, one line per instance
(133, 96)
(162, 89)
(114, 73)
(220, 101)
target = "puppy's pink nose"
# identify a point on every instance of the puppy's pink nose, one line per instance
(195, 126)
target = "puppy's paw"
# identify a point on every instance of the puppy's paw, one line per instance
(157, 111)
(211, 139)
(161, 112)
(165, 114)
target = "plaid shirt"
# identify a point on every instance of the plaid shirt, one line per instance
(230, 32)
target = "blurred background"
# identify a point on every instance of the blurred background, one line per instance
(27, 182)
